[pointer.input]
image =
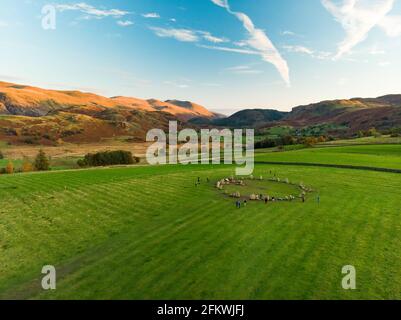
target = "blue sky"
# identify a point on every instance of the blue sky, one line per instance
(224, 54)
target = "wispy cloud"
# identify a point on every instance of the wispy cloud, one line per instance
(288, 33)
(322, 55)
(177, 85)
(151, 15)
(243, 51)
(359, 17)
(243, 70)
(184, 35)
(125, 23)
(3, 24)
(299, 49)
(209, 37)
(259, 41)
(187, 35)
(92, 11)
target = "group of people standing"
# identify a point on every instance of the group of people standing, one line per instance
(198, 181)
(239, 204)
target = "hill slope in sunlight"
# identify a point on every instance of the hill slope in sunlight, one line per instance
(353, 114)
(40, 116)
(32, 101)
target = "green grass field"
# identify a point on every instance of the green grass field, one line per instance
(150, 233)
(382, 156)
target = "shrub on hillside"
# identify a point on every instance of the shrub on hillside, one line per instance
(107, 158)
(1, 155)
(26, 166)
(311, 141)
(42, 162)
(10, 168)
(395, 132)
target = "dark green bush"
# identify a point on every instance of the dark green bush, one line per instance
(281, 141)
(107, 158)
(42, 161)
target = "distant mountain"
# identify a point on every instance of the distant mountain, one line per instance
(251, 118)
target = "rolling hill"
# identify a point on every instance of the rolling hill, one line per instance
(31, 101)
(355, 114)
(34, 115)
(251, 118)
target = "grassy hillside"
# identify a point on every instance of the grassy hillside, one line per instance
(382, 156)
(148, 232)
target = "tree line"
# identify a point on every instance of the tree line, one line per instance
(41, 163)
(289, 140)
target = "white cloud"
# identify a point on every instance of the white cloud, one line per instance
(187, 35)
(151, 15)
(299, 49)
(288, 33)
(125, 23)
(207, 36)
(243, 70)
(259, 42)
(221, 3)
(173, 20)
(3, 24)
(91, 11)
(241, 43)
(184, 35)
(321, 55)
(359, 17)
(243, 51)
(391, 25)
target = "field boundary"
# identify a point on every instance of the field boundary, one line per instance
(326, 165)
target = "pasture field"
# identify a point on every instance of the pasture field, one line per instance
(381, 156)
(385, 139)
(150, 233)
